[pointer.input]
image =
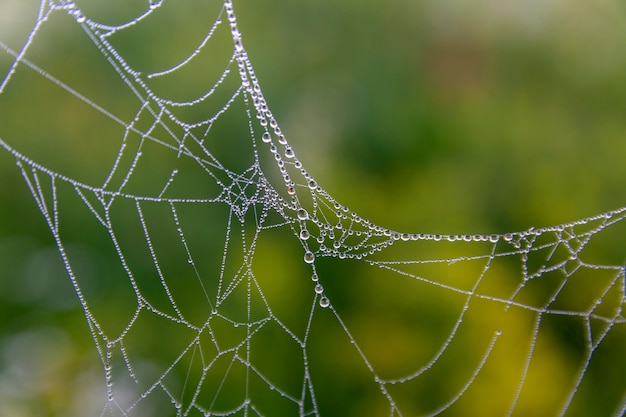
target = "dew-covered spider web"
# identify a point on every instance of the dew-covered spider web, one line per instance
(230, 283)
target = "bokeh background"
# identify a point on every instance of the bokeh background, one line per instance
(467, 116)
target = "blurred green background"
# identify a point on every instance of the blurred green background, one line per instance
(467, 116)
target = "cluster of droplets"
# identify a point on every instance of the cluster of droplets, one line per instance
(108, 376)
(350, 236)
(153, 4)
(285, 156)
(273, 135)
(271, 130)
(71, 8)
(324, 302)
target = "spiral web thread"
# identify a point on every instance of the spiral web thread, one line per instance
(275, 192)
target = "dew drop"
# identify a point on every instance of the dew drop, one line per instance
(289, 153)
(314, 277)
(302, 214)
(80, 18)
(508, 237)
(494, 238)
(304, 234)
(319, 288)
(291, 190)
(405, 236)
(238, 45)
(266, 137)
(312, 184)
(309, 257)
(324, 302)
(498, 332)
(320, 239)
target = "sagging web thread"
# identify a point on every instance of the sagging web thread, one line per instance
(214, 370)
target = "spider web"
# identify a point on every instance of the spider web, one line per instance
(236, 286)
